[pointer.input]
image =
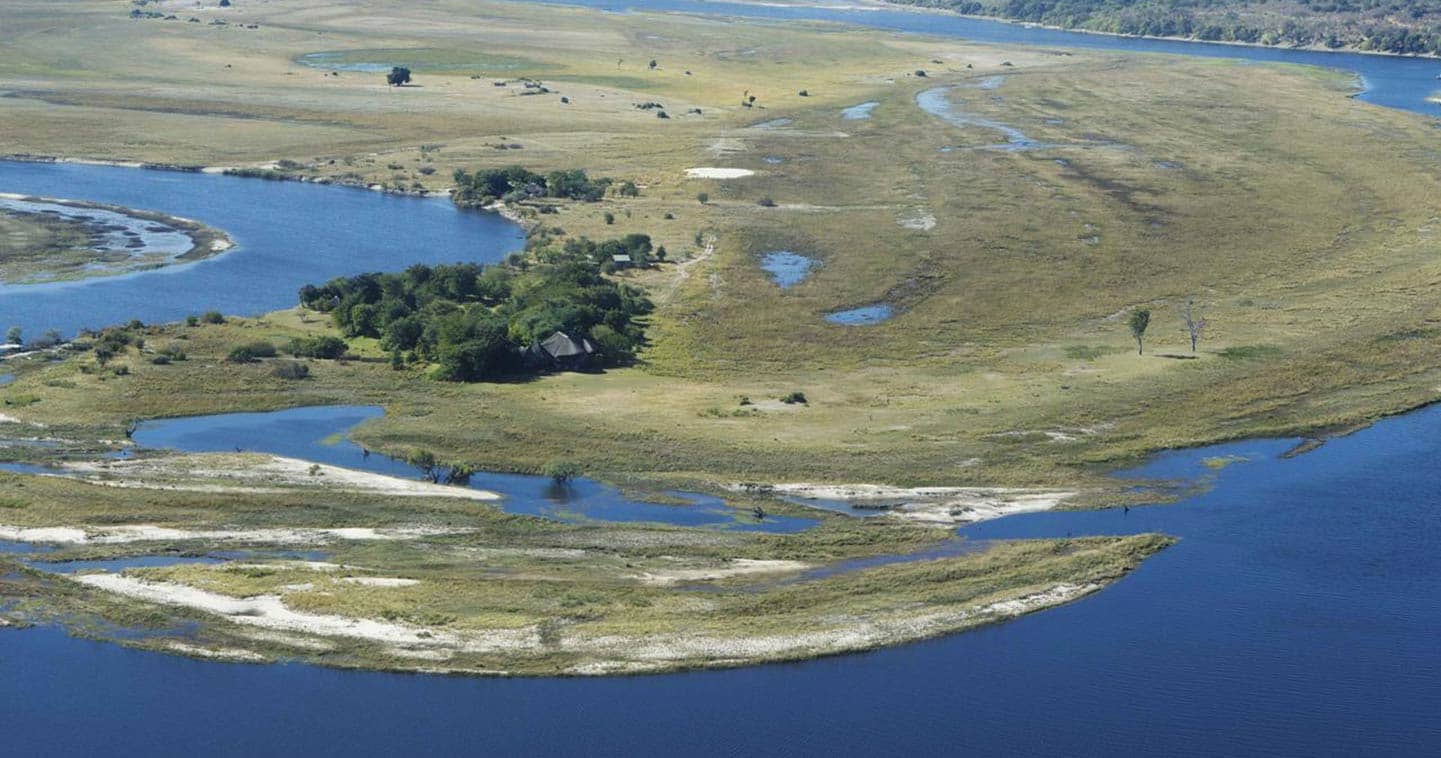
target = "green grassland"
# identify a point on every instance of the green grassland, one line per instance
(1301, 221)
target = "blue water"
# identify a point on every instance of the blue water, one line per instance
(128, 562)
(288, 234)
(1296, 616)
(859, 112)
(937, 102)
(862, 316)
(6, 379)
(317, 434)
(787, 269)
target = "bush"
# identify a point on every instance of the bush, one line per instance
(212, 317)
(290, 370)
(326, 348)
(192, 320)
(702, 197)
(766, 202)
(794, 398)
(561, 471)
(251, 352)
(172, 353)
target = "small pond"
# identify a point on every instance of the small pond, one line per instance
(787, 269)
(859, 112)
(862, 316)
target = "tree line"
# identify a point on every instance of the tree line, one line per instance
(515, 183)
(1408, 27)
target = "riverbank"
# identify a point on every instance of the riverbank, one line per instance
(912, 5)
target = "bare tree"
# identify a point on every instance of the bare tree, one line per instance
(1195, 325)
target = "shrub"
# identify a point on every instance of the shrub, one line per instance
(326, 348)
(290, 370)
(794, 398)
(766, 202)
(251, 352)
(1250, 352)
(192, 320)
(561, 471)
(212, 317)
(702, 197)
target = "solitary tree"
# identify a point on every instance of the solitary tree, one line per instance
(398, 75)
(1195, 325)
(1139, 320)
(561, 471)
(652, 64)
(424, 460)
(14, 336)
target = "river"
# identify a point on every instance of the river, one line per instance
(1297, 615)
(287, 235)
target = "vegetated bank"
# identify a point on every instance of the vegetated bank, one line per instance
(1411, 27)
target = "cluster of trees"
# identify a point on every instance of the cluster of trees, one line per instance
(476, 322)
(1410, 27)
(515, 183)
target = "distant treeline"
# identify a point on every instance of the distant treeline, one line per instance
(476, 322)
(514, 184)
(1411, 27)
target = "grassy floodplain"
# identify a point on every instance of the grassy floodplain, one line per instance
(1299, 219)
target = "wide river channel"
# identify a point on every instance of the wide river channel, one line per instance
(1300, 613)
